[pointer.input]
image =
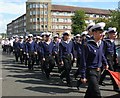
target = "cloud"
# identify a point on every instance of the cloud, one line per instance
(12, 8)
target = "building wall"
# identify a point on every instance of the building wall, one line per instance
(38, 16)
(17, 26)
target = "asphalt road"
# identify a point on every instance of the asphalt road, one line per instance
(17, 81)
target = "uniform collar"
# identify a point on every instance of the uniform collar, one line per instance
(48, 42)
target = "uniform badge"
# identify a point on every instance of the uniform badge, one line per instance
(95, 51)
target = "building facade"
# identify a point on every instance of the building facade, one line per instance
(42, 16)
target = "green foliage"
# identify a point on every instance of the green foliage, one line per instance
(78, 22)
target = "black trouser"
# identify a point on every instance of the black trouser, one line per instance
(78, 65)
(21, 56)
(16, 55)
(31, 60)
(93, 90)
(10, 49)
(67, 68)
(48, 64)
(25, 58)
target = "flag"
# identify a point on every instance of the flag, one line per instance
(116, 76)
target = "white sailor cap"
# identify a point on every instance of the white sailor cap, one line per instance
(16, 36)
(78, 35)
(104, 32)
(84, 33)
(21, 37)
(98, 26)
(26, 37)
(38, 37)
(66, 33)
(43, 34)
(30, 35)
(112, 30)
(48, 34)
(90, 25)
(56, 36)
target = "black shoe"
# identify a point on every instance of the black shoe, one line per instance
(75, 76)
(78, 84)
(117, 90)
(102, 83)
(69, 85)
(47, 75)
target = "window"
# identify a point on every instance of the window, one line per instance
(46, 19)
(38, 26)
(24, 23)
(34, 19)
(31, 5)
(37, 5)
(38, 19)
(34, 5)
(30, 12)
(37, 12)
(46, 26)
(42, 12)
(46, 12)
(42, 26)
(31, 20)
(69, 20)
(42, 19)
(57, 19)
(34, 26)
(34, 12)
(41, 5)
(45, 5)
(94, 15)
(65, 20)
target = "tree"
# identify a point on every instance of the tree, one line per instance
(115, 19)
(78, 22)
(107, 21)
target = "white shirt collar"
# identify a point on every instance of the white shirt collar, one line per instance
(112, 40)
(99, 43)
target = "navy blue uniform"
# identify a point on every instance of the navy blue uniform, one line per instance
(48, 51)
(37, 58)
(93, 57)
(16, 50)
(30, 50)
(57, 55)
(78, 49)
(21, 51)
(66, 51)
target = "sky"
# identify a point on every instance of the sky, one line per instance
(11, 9)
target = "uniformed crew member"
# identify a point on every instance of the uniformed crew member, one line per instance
(21, 48)
(93, 57)
(37, 58)
(48, 53)
(31, 51)
(78, 49)
(56, 42)
(67, 55)
(25, 54)
(16, 48)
